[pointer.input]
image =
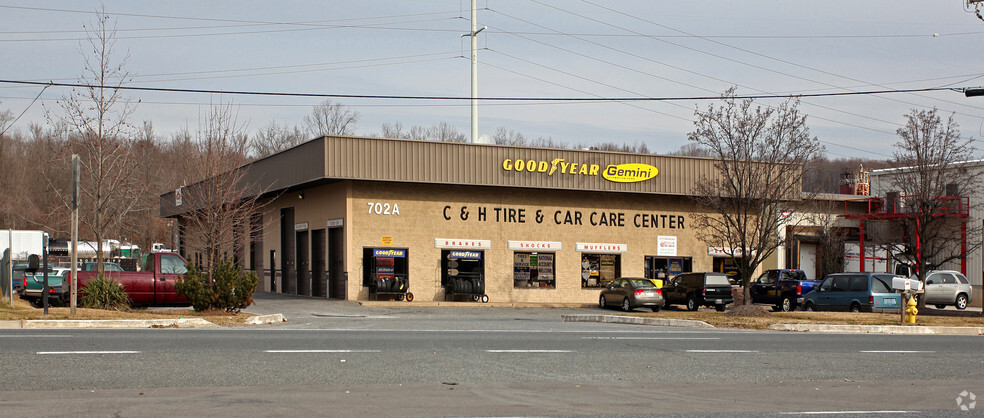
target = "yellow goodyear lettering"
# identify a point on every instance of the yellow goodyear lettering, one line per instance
(629, 173)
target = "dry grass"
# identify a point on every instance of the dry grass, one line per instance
(756, 319)
(24, 311)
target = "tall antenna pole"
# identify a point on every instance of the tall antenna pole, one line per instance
(474, 72)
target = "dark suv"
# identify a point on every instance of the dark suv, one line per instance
(699, 289)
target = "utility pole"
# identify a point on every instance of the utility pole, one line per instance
(76, 173)
(474, 71)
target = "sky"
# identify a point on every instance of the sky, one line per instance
(684, 51)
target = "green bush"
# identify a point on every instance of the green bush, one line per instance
(229, 288)
(103, 293)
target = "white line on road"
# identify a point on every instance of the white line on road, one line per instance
(722, 351)
(650, 338)
(88, 352)
(36, 336)
(529, 351)
(321, 351)
(845, 412)
(897, 351)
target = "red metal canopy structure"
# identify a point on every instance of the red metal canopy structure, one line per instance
(897, 207)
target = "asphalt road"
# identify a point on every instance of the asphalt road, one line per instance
(340, 359)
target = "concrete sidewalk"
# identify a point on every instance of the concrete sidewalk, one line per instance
(130, 323)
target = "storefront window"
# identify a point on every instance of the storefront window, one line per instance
(462, 264)
(383, 263)
(665, 267)
(728, 266)
(533, 270)
(597, 270)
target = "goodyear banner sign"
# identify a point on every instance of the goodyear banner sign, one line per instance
(388, 252)
(466, 255)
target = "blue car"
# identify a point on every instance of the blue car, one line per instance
(854, 292)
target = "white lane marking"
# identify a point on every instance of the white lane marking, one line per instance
(88, 352)
(36, 336)
(896, 351)
(650, 338)
(321, 351)
(846, 412)
(529, 351)
(722, 351)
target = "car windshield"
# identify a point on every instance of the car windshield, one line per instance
(641, 283)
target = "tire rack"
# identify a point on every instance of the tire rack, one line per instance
(398, 287)
(466, 284)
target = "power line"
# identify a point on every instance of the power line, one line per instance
(517, 99)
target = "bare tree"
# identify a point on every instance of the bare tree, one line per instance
(330, 118)
(503, 136)
(760, 155)
(930, 190)
(97, 114)
(275, 138)
(445, 132)
(220, 201)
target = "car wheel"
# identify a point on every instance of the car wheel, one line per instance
(940, 306)
(786, 305)
(656, 308)
(692, 303)
(719, 308)
(961, 301)
(855, 307)
(602, 302)
(625, 305)
(809, 307)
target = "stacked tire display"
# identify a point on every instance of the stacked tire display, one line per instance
(467, 286)
(397, 286)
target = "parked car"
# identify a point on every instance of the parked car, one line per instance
(781, 288)
(152, 286)
(854, 292)
(107, 266)
(699, 289)
(947, 287)
(33, 287)
(631, 293)
(17, 277)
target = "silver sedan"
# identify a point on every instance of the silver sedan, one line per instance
(630, 293)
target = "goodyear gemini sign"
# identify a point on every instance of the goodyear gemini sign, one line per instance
(618, 173)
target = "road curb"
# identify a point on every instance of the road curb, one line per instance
(266, 319)
(117, 323)
(878, 329)
(635, 320)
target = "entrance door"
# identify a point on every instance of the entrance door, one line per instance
(288, 271)
(318, 267)
(808, 259)
(336, 264)
(303, 263)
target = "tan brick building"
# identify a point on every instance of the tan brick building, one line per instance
(535, 225)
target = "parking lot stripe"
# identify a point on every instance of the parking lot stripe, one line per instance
(722, 351)
(529, 351)
(87, 352)
(896, 351)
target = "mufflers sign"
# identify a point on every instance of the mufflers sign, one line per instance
(619, 173)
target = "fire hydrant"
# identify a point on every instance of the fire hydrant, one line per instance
(911, 310)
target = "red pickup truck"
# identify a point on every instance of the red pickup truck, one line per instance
(153, 286)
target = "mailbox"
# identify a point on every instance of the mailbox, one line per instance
(905, 283)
